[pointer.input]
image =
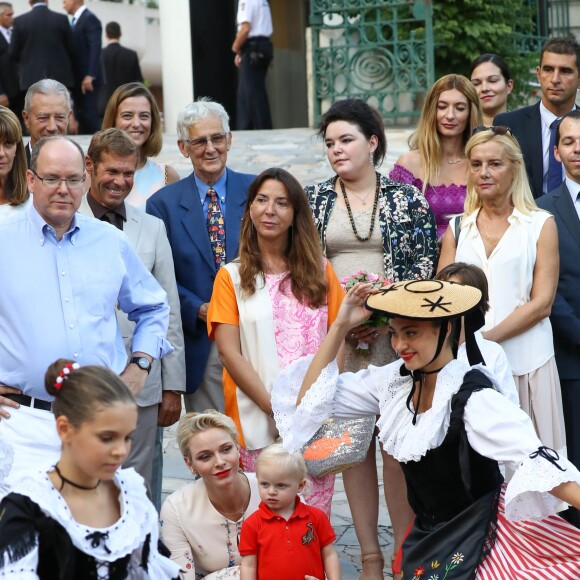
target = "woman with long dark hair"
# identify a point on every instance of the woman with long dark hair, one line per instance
(270, 306)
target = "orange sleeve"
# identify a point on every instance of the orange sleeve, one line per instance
(334, 294)
(223, 306)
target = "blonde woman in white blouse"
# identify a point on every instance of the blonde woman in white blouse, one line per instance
(516, 244)
(202, 521)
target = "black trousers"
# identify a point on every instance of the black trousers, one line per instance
(252, 103)
(571, 404)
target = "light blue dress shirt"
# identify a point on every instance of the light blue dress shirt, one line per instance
(58, 299)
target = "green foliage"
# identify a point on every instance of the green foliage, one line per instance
(464, 29)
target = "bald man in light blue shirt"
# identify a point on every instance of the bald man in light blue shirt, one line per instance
(63, 276)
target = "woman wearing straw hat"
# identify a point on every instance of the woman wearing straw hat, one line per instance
(448, 426)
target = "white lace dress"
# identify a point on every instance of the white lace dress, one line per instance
(132, 540)
(495, 428)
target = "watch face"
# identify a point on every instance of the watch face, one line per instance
(143, 363)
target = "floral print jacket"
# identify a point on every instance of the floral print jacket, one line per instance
(406, 221)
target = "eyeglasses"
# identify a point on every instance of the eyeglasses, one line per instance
(495, 129)
(218, 140)
(54, 182)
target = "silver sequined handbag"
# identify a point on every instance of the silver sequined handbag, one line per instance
(338, 445)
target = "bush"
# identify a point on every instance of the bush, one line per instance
(467, 28)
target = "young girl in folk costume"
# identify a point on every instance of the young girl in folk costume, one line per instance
(448, 426)
(84, 518)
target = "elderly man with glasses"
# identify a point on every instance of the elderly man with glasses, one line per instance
(63, 276)
(202, 215)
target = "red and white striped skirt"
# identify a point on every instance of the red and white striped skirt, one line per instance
(547, 549)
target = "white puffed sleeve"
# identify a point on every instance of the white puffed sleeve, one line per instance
(497, 429)
(348, 395)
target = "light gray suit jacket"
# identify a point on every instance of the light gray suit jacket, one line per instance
(149, 239)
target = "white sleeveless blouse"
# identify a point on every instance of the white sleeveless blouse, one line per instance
(510, 274)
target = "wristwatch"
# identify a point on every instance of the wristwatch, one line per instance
(142, 362)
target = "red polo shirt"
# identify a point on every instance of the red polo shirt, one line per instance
(290, 548)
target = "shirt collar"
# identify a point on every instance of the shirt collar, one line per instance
(573, 188)
(516, 215)
(100, 210)
(300, 511)
(219, 186)
(78, 12)
(42, 229)
(547, 116)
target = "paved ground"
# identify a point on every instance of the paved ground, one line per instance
(301, 153)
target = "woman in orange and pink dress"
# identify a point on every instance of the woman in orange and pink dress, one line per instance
(269, 307)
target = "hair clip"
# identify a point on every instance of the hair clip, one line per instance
(68, 367)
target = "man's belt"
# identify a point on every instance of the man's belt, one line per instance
(29, 401)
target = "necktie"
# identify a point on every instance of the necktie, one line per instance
(215, 228)
(9, 34)
(554, 166)
(72, 24)
(113, 218)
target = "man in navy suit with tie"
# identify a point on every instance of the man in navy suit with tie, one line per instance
(535, 126)
(87, 32)
(202, 215)
(564, 204)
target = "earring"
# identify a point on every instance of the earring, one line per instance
(371, 158)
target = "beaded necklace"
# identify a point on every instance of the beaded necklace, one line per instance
(349, 210)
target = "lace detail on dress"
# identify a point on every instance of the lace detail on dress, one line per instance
(527, 494)
(402, 439)
(138, 517)
(444, 200)
(297, 425)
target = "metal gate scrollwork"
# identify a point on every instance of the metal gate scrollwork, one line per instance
(377, 50)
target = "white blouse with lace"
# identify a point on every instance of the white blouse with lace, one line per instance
(495, 427)
(126, 536)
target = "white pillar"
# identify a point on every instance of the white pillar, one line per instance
(176, 60)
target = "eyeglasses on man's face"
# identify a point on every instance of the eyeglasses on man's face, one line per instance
(219, 141)
(54, 182)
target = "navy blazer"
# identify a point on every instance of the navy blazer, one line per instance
(179, 207)
(8, 73)
(565, 317)
(42, 47)
(526, 125)
(87, 33)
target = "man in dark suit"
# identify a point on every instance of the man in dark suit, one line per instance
(564, 204)
(535, 126)
(87, 32)
(42, 46)
(120, 64)
(187, 207)
(10, 95)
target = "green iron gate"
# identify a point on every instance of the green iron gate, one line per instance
(377, 50)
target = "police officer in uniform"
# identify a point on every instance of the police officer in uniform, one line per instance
(254, 52)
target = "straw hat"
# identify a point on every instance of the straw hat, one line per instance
(425, 299)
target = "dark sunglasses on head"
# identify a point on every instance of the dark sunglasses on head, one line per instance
(495, 129)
